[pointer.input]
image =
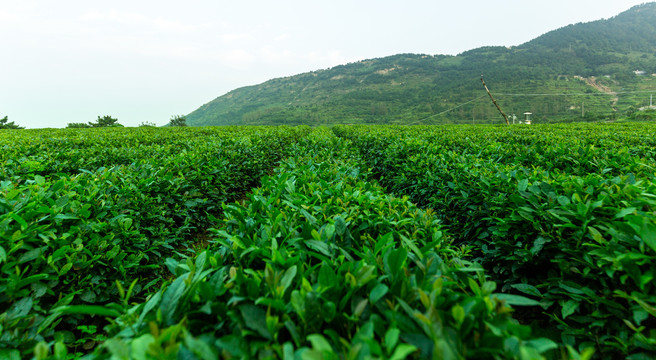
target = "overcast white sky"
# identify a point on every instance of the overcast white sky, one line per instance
(145, 60)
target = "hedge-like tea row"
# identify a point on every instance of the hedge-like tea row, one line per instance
(104, 247)
(319, 263)
(66, 234)
(570, 223)
(49, 152)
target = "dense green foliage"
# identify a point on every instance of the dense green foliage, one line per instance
(561, 213)
(6, 124)
(178, 120)
(81, 209)
(105, 121)
(588, 68)
(319, 262)
(78, 126)
(147, 124)
(482, 242)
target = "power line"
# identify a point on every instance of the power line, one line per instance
(446, 111)
(583, 94)
(552, 94)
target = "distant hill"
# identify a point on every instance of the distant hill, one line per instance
(589, 70)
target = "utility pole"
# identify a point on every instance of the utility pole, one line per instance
(495, 102)
(582, 109)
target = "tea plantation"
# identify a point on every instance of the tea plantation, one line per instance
(351, 242)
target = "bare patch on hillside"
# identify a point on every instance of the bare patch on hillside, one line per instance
(592, 81)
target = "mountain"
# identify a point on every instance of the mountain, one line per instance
(593, 70)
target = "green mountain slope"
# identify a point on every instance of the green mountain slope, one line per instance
(592, 70)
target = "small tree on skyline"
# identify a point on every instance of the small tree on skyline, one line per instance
(147, 124)
(178, 120)
(6, 124)
(105, 121)
(77, 125)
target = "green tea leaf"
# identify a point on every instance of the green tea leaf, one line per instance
(377, 293)
(41, 350)
(255, 319)
(527, 289)
(19, 309)
(516, 300)
(30, 280)
(140, 345)
(199, 348)
(394, 260)
(595, 234)
(60, 350)
(410, 244)
(538, 245)
(288, 351)
(319, 246)
(319, 343)
(10, 354)
(473, 285)
(403, 351)
(327, 277)
(391, 339)
(327, 232)
(88, 310)
(340, 225)
(624, 212)
(563, 200)
(150, 304)
(568, 308)
(542, 344)
(201, 259)
(118, 348)
(328, 310)
(571, 287)
(522, 185)
(19, 220)
(645, 228)
(458, 313)
(308, 216)
(171, 297)
(287, 278)
(65, 217)
(40, 180)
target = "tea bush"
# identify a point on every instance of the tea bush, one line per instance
(66, 234)
(567, 220)
(320, 263)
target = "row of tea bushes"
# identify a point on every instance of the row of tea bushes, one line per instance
(575, 149)
(49, 152)
(320, 263)
(579, 239)
(66, 235)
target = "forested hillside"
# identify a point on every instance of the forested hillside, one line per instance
(587, 71)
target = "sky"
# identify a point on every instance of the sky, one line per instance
(144, 61)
